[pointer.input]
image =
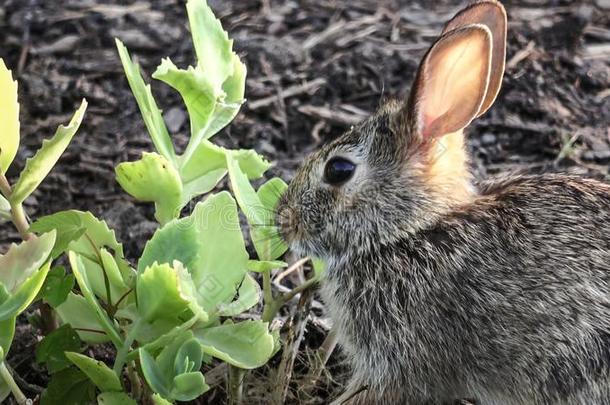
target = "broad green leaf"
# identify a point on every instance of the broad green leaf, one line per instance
(158, 292)
(84, 234)
(68, 387)
(196, 89)
(115, 398)
(207, 166)
(188, 291)
(188, 358)
(153, 374)
(78, 268)
(76, 311)
(22, 260)
(209, 244)
(51, 349)
(159, 400)
(251, 163)
(271, 192)
(37, 167)
(188, 386)
(249, 295)
(99, 373)
(212, 44)
(7, 332)
(9, 118)
(153, 179)
(24, 294)
(202, 185)
(68, 225)
(57, 286)
(221, 68)
(267, 242)
(148, 107)
(259, 266)
(167, 357)
(246, 344)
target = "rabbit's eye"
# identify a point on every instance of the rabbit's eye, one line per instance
(338, 170)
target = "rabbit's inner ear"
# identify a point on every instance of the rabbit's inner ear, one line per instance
(451, 83)
(492, 14)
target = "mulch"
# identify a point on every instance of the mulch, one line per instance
(314, 69)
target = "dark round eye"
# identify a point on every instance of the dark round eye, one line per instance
(338, 170)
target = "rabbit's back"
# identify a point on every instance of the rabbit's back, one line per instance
(506, 299)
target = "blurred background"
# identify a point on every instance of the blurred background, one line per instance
(314, 68)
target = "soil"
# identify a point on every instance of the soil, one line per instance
(314, 68)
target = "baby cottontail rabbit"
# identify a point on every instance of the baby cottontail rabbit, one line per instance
(441, 288)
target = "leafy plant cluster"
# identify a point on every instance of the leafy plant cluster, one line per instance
(180, 306)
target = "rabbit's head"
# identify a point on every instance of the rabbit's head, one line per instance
(400, 169)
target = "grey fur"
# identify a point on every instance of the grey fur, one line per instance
(504, 298)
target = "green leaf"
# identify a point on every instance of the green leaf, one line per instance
(263, 232)
(153, 179)
(7, 332)
(9, 118)
(207, 166)
(153, 374)
(271, 192)
(188, 358)
(319, 267)
(5, 210)
(159, 400)
(68, 387)
(188, 386)
(24, 294)
(115, 398)
(219, 67)
(76, 311)
(148, 107)
(259, 266)
(68, 225)
(249, 295)
(98, 372)
(21, 261)
(51, 348)
(246, 344)
(37, 168)
(86, 235)
(159, 294)
(196, 89)
(57, 286)
(209, 244)
(80, 274)
(212, 44)
(251, 163)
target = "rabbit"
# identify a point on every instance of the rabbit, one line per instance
(441, 287)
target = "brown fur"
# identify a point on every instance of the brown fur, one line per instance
(442, 288)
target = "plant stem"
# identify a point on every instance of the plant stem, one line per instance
(8, 378)
(272, 307)
(121, 355)
(134, 379)
(17, 214)
(236, 385)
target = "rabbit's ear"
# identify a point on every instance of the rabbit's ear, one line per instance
(492, 14)
(451, 83)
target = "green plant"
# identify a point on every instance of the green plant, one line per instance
(24, 267)
(180, 306)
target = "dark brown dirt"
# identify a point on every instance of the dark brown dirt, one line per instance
(315, 68)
